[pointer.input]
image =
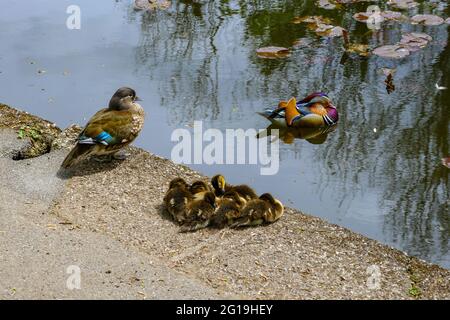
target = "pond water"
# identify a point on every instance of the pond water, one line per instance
(378, 173)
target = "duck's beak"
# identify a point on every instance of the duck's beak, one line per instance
(137, 99)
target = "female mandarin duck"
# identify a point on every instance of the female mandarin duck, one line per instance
(316, 110)
(110, 129)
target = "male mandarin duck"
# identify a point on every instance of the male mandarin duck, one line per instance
(110, 129)
(316, 110)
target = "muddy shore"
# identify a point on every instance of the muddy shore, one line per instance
(107, 219)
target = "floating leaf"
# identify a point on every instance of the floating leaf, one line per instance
(361, 16)
(447, 21)
(390, 87)
(328, 4)
(388, 71)
(320, 25)
(330, 31)
(273, 52)
(427, 19)
(403, 4)
(311, 20)
(446, 162)
(415, 41)
(385, 15)
(391, 51)
(394, 16)
(358, 48)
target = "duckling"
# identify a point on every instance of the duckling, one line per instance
(198, 189)
(220, 186)
(265, 209)
(177, 199)
(228, 209)
(110, 129)
(199, 213)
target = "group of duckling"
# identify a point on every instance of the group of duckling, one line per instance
(220, 205)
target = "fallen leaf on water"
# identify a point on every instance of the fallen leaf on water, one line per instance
(388, 71)
(415, 41)
(427, 19)
(384, 15)
(273, 52)
(361, 16)
(390, 86)
(394, 16)
(329, 31)
(446, 162)
(391, 51)
(403, 4)
(328, 4)
(358, 48)
(312, 19)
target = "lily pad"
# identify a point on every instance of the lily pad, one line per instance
(393, 16)
(395, 51)
(415, 41)
(384, 15)
(427, 19)
(311, 20)
(273, 52)
(403, 4)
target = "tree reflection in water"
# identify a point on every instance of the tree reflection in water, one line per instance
(203, 55)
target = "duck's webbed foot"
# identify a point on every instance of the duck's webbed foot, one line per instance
(103, 158)
(120, 155)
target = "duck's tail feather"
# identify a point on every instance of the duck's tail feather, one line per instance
(78, 153)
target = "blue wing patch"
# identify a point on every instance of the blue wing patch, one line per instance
(103, 138)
